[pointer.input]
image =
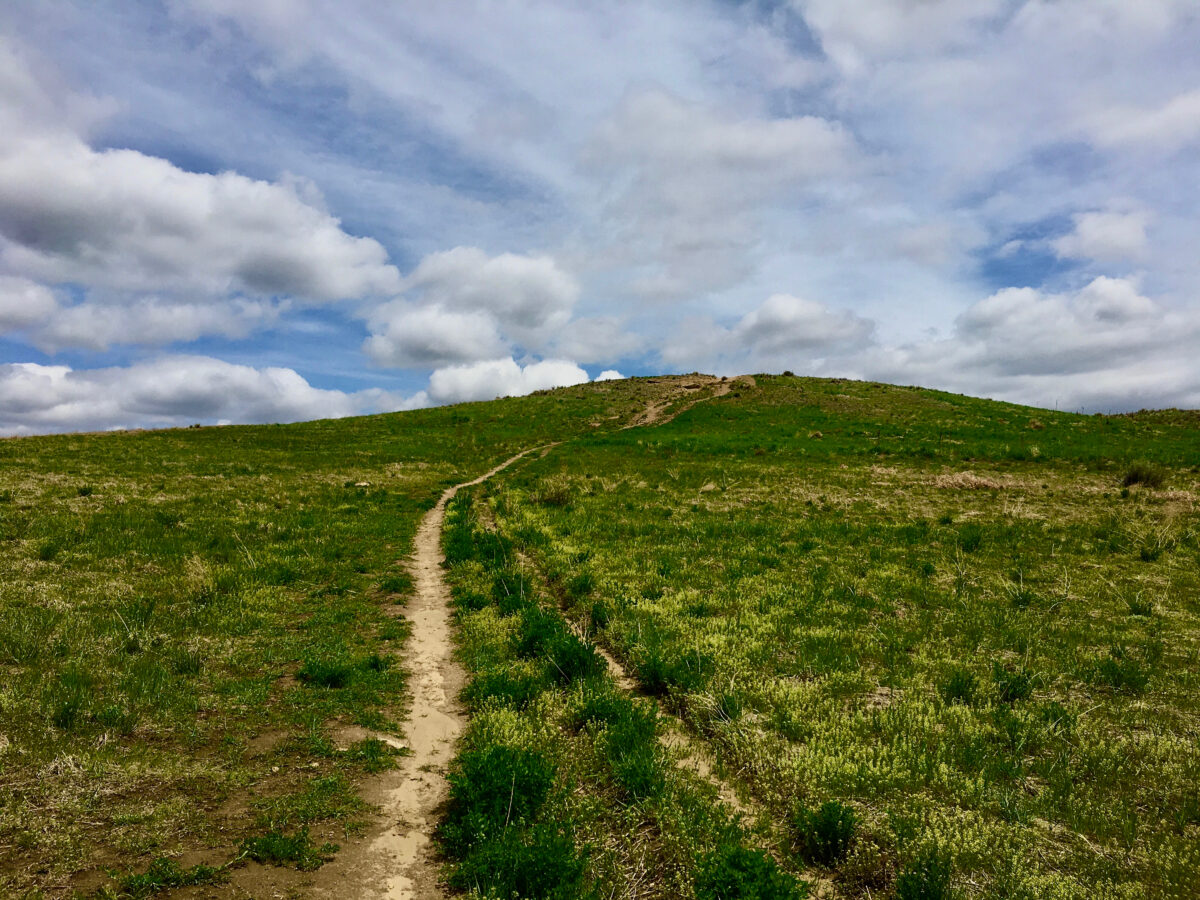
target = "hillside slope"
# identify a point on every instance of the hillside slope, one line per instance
(946, 616)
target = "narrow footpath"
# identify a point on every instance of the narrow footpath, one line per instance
(399, 862)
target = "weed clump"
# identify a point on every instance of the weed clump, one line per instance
(824, 835)
(1147, 474)
(970, 537)
(506, 687)
(338, 671)
(540, 863)
(734, 873)
(165, 873)
(279, 849)
(926, 877)
(959, 686)
(1122, 672)
(1012, 684)
(554, 492)
(491, 790)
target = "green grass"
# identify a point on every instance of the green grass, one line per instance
(188, 617)
(948, 647)
(940, 614)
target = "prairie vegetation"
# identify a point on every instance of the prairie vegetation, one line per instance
(954, 645)
(936, 646)
(199, 632)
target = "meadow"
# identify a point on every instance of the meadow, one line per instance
(929, 646)
(941, 646)
(200, 634)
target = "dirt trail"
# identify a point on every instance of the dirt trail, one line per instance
(692, 386)
(398, 862)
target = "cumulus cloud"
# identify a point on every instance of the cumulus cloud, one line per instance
(462, 305)
(1104, 346)
(784, 331)
(161, 254)
(169, 391)
(408, 336)
(1104, 236)
(595, 339)
(126, 221)
(24, 303)
(501, 378)
(610, 375)
(854, 33)
(149, 321)
(526, 294)
(1167, 127)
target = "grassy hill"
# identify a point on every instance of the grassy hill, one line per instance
(933, 643)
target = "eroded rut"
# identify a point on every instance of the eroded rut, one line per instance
(399, 862)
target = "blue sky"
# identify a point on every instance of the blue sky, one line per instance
(234, 211)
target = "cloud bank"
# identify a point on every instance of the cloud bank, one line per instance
(432, 203)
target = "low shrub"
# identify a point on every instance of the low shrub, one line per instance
(734, 873)
(959, 686)
(539, 863)
(1144, 473)
(491, 790)
(926, 877)
(824, 835)
(1012, 684)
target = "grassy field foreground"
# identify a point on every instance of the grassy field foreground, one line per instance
(942, 646)
(198, 628)
(953, 646)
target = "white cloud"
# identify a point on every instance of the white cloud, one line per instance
(1104, 236)
(596, 339)
(1106, 346)
(609, 375)
(785, 331)
(501, 378)
(149, 321)
(122, 220)
(686, 187)
(462, 305)
(169, 391)
(160, 254)
(1164, 128)
(855, 33)
(24, 303)
(526, 294)
(408, 336)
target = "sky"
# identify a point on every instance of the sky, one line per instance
(222, 211)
